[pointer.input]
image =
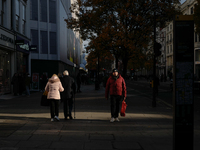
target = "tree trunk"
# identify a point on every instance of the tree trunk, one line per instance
(125, 64)
(116, 63)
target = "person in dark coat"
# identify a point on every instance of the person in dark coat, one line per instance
(15, 83)
(27, 83)
(67, 96)
(78, 80)
(116, 86)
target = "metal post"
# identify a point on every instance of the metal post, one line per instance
(154, 64)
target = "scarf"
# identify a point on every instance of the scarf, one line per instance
(116, 77)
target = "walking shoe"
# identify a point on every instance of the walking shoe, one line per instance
(56, 117)
(112, 119)
(52, 119)
(117, 119)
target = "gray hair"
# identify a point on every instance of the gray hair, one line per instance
(65, 73)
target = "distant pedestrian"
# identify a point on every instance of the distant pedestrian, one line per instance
(27, 84)
(54, 87)
(156, 84)
(43, 80)
(60, 75)
(21, 83)
(15, 83)
(116, 87)
(78, 80)
(67, 96)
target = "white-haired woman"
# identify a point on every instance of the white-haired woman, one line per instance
(54, 87)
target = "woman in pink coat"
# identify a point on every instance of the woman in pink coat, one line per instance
(54, 87)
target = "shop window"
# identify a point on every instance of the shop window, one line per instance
(5, 72)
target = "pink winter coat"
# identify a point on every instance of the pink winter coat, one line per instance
(54, 87)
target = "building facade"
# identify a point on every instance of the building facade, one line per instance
(13, 29)
(37, 24)
(58, 48)
(187, 8)
(169, 50)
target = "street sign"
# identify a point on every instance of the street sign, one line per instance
(33, 48)
(183, 99)
(19, 42)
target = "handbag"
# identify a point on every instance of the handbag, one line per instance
(44, 101)
(123, 108)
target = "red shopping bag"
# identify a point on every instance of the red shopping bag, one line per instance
(123, 109)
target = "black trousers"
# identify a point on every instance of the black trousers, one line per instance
(67, 106)
(54, 107)
(114, 105)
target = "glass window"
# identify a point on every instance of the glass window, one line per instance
(3, 12)
(5, 72)
(192, 10)
(167, 49)
(24, 19)
(53, 43)
(197, 55)
(34, 9)
(52, 11)
(195, 37)
(17, 23)
(43, 42)
(17, 15)
(199, 37)
(23, 27)
(170, 37)
(34, 39)
(24, 12)
(17, 7)
(170, 27)
(43, 10)
(170, 48)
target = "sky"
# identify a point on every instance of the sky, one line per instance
(182, 1)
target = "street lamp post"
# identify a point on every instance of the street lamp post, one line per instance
(154, 64)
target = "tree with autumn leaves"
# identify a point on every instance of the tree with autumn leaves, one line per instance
(121, 27)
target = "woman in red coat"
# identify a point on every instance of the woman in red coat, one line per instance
(116, 87)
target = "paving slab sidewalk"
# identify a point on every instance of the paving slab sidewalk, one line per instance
(25, 125)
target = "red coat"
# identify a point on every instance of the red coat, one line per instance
(117, 87)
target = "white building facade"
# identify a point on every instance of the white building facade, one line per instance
(58, 48)
(187, 8)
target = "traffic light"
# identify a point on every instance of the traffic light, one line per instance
(157, 51)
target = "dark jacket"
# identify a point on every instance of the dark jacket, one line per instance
(115, 86)
(69, 86)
